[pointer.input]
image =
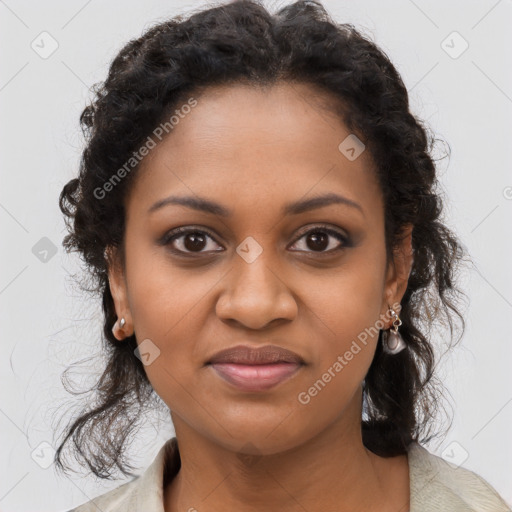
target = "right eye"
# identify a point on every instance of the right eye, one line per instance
(189, 240)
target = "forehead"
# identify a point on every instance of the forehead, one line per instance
(258, 145)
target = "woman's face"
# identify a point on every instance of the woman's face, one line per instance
(254, 276)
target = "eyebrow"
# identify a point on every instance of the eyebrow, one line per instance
(208, 206)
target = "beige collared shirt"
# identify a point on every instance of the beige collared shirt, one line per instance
(435, 486)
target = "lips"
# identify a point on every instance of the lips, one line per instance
(269, 354)
(258, 369)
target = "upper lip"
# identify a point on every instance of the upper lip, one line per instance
(268, 354)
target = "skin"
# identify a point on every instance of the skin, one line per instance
(253, 151)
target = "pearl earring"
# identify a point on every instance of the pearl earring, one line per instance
(392, 341)
(122, 323)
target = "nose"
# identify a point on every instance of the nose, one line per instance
(255, 295)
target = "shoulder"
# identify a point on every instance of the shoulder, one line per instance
(438, 485)
(144, 492)
(120, 498)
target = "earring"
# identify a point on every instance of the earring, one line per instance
(122, 323)
(392, 341)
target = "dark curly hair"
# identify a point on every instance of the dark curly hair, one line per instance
(242, 43)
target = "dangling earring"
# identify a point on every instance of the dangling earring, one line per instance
(392, 341)
(122, 323)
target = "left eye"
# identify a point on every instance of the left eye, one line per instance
(319, 237)
(192, 241)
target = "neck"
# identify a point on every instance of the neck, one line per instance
(332, 471)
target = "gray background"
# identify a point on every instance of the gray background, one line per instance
(46, 323)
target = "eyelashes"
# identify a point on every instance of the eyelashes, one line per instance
(179, 234)
(339, 237)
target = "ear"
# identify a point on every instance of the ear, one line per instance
(117, 285)
(398, 272)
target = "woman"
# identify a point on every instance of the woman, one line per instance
(259, 208)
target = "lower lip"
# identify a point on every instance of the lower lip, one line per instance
(255, 377)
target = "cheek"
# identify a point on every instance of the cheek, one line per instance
(345, 328)
(167, 307)
(347, 302)
(343, 356)
(161, 297)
